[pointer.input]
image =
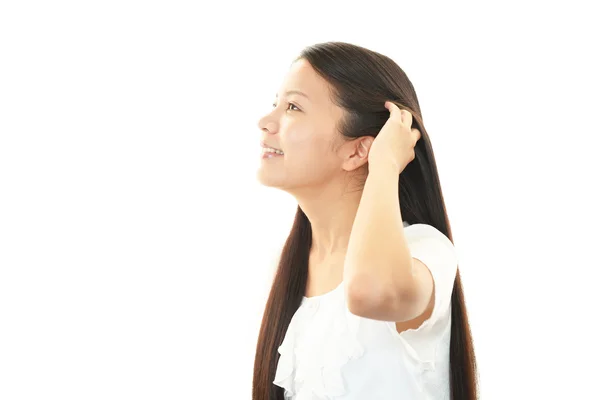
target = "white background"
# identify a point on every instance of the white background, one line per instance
(135, 241)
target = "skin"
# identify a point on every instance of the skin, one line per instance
(319, 168)
(325, 173)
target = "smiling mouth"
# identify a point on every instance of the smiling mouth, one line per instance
(266, 145)
(272, 151)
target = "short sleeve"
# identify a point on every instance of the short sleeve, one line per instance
(437, 252)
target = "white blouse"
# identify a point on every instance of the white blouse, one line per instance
(330, 353)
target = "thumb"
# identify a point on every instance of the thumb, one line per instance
(395, 111)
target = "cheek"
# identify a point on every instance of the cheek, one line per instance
(296, 138)
(305, 141)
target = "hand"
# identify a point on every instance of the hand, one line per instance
(396, 141)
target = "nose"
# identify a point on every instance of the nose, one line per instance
(267, 124)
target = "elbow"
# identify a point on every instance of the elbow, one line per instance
(363, 296)
(356, 300)
(372, 300)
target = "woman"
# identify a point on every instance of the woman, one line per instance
(367, 301)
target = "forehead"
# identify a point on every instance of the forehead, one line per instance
(302, 76)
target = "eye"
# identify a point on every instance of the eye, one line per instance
(289, 104)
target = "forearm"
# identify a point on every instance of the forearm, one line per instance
(378, 258)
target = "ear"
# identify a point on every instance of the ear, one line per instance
(358, 153)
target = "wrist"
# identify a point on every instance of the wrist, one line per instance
(384, 169)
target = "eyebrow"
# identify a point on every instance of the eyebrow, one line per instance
(294, 92)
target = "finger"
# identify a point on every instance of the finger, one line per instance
(407, 117)
(395, 112)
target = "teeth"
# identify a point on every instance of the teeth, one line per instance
(270, 150)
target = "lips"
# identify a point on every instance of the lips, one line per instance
(263, 144)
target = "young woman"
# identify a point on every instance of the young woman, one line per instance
(366, 301)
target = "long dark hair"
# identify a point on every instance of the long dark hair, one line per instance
(362, 80)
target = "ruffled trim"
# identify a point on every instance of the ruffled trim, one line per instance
(319, 361)
(424, 365)
(285, 367)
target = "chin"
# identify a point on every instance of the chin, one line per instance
(263, 178)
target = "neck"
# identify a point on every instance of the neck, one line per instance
(331, 213)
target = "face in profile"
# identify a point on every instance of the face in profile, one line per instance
(303, 126)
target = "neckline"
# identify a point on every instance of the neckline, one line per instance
(316, 298)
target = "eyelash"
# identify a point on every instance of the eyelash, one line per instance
(298, 108)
